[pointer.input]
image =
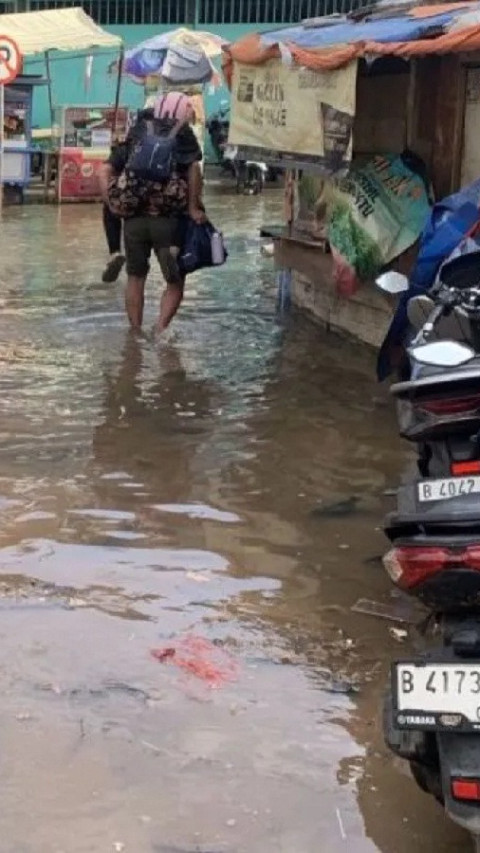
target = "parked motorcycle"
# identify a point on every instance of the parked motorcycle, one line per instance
(218, 126)
(432, 707)
(250, 175)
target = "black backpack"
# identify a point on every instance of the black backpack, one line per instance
(153, 157)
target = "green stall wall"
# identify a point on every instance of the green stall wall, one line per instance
(68, 74)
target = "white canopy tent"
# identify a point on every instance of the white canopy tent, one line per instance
(50, 30)
(59, 29)
(56, 29)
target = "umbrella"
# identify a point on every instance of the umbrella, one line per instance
(181, 56)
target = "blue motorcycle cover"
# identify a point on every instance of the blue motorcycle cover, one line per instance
(450, 221)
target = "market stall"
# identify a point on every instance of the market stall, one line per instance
(392, 96)
(85, 138)
(46, 32)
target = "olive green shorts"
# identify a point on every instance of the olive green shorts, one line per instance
(142, 234)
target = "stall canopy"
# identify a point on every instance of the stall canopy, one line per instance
(327, 44)
(56, 29)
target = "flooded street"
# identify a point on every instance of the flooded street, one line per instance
(156, 491)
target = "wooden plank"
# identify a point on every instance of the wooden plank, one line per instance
(412, 97)
(448, 130)
(423, 104)
(471, 127)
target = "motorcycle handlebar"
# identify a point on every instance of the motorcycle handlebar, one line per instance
(429, 325)
(434, 317)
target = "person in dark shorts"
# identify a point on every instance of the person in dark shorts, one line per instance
(152, 229)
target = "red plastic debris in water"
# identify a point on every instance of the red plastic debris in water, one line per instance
(200, 658)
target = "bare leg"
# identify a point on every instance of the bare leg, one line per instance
(169, 304)
(134, 300)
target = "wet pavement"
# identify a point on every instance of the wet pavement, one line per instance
(151, 492)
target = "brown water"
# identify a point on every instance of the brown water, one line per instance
(150, 491)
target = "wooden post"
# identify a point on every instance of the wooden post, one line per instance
(459, 127)
(288, 199)
(412, 105)
(448, 130)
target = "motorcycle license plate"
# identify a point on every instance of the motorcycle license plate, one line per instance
(444, 490)
(436, 695)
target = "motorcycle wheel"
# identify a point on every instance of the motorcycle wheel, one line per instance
(428, 779)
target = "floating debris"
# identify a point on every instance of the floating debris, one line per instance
(198, 577)
(336, 509)
(201, 658)
(341, 685)
(398, 634)
(395, 613)
(340, 825)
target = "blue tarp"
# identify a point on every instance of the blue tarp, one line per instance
(450, 221)
(402, 28)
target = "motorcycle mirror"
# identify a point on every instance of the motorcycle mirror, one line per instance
(392, 282)
(442, 354)
(419, 309)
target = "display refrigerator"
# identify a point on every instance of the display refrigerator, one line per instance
(18, 147)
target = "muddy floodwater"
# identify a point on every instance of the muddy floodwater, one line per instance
(223, 488)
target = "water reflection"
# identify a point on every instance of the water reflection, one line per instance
(155, 418)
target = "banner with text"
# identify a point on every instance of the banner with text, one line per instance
(287, 113)
(375, 214)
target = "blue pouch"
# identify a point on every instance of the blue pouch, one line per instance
(196, 251)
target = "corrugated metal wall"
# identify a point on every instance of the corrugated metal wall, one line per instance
(193, 12)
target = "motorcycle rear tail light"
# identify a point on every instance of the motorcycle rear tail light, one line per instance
(466, 789)
(451, 406)
(463, 469)
(410, 565)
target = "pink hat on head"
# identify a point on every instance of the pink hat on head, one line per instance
(174, 105)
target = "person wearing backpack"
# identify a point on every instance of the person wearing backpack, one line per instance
(153, 182)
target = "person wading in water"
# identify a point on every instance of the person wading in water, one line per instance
(154, 211)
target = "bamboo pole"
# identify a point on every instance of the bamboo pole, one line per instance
(118, 90)
(49, 87)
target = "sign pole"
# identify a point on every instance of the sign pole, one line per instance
(10, 66)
